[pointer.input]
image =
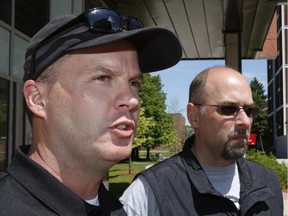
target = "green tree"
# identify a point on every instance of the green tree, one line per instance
(260, 123)
(144, 125)
(153, 104)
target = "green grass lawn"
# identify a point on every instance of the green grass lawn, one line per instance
(120, 177)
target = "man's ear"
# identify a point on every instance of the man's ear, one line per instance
(34, 97)
(192, 115)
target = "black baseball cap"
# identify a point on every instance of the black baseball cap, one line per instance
(158, 48)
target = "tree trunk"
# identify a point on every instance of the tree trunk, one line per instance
(148, 153)
(135, 153)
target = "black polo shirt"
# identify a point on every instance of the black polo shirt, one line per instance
(28, 189)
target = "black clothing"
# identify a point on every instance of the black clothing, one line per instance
(28, 189)
(181, 187)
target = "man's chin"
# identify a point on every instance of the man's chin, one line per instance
(236, 151)
(119, 155)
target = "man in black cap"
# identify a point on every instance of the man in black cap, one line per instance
(81, 84)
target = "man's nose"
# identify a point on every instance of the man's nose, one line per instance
(242, 118)
(127, 98)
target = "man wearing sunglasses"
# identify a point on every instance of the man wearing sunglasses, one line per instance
(81, 84)
(210, 176)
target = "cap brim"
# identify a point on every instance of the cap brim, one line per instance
(157, 47)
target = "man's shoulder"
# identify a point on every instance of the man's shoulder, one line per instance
(171, 165)
(167, 162)
(257, 170)
(257, 167)
(3, 175)
(9, 192)
(5, 179)
(7, 184)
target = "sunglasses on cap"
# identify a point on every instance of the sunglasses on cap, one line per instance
(231, 110)
(98, 20)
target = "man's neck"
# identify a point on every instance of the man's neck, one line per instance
(209, 158)
(82, 181)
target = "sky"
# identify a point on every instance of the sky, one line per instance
(176, 80)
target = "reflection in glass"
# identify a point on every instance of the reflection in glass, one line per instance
(5, 11)
(4, 95)
(19, 56)
(25, 15)
(4, 50)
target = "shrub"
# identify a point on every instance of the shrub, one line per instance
(269, 160)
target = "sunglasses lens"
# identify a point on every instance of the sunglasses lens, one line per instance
(252, 111)
(134, 23)
(104, 20)
(228, 110)
(249, 111)
(232, 110)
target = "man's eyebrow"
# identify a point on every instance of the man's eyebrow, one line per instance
(98, 68)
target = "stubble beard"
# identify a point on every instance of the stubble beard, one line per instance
(234, 150)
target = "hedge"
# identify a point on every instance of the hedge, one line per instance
(269, 160)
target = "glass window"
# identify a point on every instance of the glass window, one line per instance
(271, 130)
(4, 95)
(19, 56)
(31, 15)
(279, 122)
(5, 11)
(270, 70)
(279, 90)
(270, 98)
(17, 128)
(58, 8)
(4, 51)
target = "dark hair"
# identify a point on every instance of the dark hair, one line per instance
(49, 75)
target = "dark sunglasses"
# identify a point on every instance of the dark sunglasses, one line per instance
(98, 20)
(230, 110)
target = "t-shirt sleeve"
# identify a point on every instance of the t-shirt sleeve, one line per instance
(139, 200)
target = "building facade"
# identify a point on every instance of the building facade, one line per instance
(278, 87)
(19, 21)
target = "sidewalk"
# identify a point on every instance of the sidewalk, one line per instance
(285, 200)
(285, 161)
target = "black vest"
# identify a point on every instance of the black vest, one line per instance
(182, 188)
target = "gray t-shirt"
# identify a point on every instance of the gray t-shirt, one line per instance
(139, 199)
(225, 180)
